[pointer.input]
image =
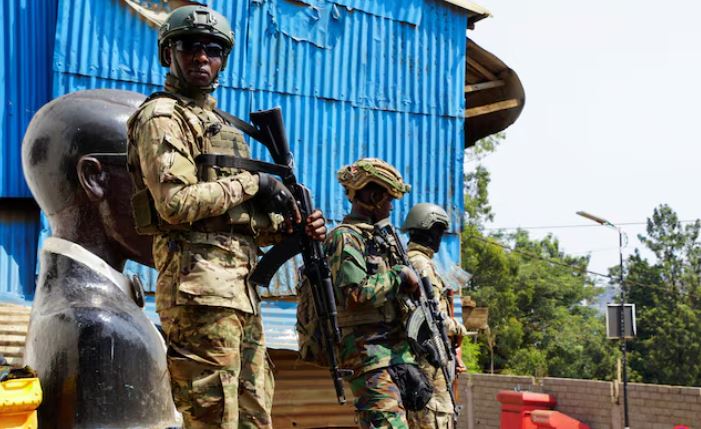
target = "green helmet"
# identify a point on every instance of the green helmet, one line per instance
(195, 20)
(423, 216)
(372, 170)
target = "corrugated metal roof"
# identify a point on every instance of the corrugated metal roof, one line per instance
(317, 406)
(475, 12)
(19, 230)
(27, 41)
(14, 320)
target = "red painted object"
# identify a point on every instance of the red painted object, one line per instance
(548, 419)
(516, 408)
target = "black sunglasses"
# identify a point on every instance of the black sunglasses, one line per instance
(192, 47)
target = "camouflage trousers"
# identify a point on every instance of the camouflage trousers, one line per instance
(378, 402)
(220, 373)
(430, 419)
(438, 413)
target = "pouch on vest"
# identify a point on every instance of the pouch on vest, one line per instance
(146, 218)
(414, 386)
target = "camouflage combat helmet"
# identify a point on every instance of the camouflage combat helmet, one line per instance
(423, 216)
(372, 170)
(195, 20)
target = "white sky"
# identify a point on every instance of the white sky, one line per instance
(612, 101)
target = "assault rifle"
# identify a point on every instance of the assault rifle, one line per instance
(426, 325)
(269, 129)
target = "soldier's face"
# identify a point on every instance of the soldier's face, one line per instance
(200, 59)
(383, 207)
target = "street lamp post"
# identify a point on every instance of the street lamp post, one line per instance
(622, 320)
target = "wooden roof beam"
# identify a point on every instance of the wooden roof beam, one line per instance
(474, 87)
(479, 68)
(491, 108)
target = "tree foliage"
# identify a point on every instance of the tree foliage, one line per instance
(535, 293)
(667, 294)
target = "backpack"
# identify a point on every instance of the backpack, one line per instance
(309, 339)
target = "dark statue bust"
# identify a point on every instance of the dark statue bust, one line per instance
(100, 360)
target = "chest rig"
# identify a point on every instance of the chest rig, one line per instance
(379, 258)
(211, 137)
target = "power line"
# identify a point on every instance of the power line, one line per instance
(553, 261)
(542, 258)
(582, 225)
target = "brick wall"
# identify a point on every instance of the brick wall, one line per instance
(660, 407)
(596, 403)
(586, 400)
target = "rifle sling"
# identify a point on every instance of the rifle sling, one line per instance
(273, 259)
(252, 165)
(241, 124)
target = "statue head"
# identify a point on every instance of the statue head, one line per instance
(74, 160)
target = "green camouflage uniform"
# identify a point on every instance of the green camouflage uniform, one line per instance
(220, 374)
(439, 410)
(373, 338)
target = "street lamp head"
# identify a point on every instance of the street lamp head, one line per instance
(595, 218)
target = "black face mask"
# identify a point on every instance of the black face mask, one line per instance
(431, 238)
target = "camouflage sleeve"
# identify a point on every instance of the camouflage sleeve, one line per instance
(455, 328)
(350, 275)
(426, 268)
(171, 175)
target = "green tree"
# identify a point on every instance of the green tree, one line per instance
(668, 306)
(477, 178)
(534, 292)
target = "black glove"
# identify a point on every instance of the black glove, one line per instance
(274, 197)
(408, 280)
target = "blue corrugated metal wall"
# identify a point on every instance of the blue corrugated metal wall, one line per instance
(354, 78)
(27, 41)
(19, 229)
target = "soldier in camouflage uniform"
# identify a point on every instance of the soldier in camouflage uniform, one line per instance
(367, 287)
(208, 222)
(426, 224)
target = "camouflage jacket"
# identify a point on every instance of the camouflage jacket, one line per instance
(421, 258)
(367, 291)
(196, 268)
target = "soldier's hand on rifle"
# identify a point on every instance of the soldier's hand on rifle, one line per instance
(275, 197)
(410, 281)
(459, 364)
(315, 226)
